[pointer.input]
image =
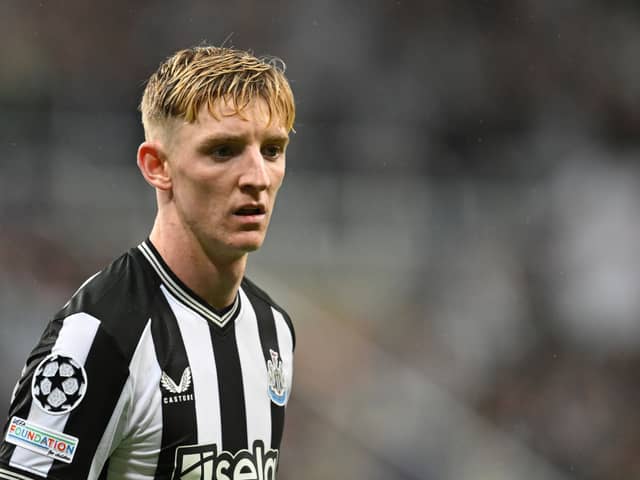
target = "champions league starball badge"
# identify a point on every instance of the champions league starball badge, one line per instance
(59, 384)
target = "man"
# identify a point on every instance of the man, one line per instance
(169, 363)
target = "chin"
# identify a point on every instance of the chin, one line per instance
(248, 248)
(248, 243)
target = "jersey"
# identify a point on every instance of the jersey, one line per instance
(138, 378)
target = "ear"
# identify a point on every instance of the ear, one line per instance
(153, 164)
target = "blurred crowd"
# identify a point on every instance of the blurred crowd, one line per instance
(457, 235)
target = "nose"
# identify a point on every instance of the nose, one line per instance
(254, 171)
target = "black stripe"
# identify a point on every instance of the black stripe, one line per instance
(105, 471)
(232, 407)
(107, 373)
(22, 402)
(179, 425)
(252, 289)
(269, 341)
(287, 320)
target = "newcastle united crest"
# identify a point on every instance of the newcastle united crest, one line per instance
(277, 383)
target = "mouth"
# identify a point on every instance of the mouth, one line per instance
(252, 210)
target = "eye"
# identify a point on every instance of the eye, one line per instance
(272, 151)
(223, 152)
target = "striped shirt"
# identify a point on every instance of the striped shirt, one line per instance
(138, 378)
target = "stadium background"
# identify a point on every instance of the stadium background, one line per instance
(457, 238)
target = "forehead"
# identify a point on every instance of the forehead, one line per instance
(253, 123)
(255, 117)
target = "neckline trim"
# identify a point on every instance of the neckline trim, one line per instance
(184, 294)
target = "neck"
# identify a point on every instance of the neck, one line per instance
(214, 278)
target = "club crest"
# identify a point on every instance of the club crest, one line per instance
(277, 383)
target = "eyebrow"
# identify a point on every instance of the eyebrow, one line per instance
(214, 140)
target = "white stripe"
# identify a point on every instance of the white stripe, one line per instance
(74, 340)
(285, 345)
(76, 336)
(116, 428)
(6, 474)
(144, 422)
(196, 336)
(254, 375)
(181, 294)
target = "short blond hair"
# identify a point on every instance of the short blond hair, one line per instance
(203, 75)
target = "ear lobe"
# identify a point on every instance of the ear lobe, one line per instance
(153, 165)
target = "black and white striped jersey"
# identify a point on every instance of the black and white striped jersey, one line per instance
(138, 378)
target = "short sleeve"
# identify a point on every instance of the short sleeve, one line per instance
(67, 406)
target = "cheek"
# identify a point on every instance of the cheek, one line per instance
(195, 196)
(277, 176)
(196, 179)
(275, 188)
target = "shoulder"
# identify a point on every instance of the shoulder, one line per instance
(258, 295)
(118, 298)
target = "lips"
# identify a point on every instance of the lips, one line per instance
(250, 210)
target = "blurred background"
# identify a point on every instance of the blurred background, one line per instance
(457, 238)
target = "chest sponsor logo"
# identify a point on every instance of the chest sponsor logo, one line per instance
(203, 462)
(277, 382)
(173, 392)
(41, 440)
(59, 384)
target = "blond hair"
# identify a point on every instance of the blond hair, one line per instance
(199, 76)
